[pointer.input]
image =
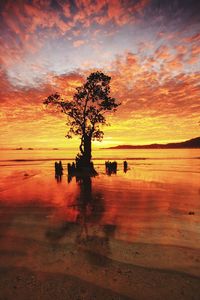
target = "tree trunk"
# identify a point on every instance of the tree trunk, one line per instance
(83, 160)
(87, 145)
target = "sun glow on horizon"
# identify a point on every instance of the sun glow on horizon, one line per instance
(151, 52)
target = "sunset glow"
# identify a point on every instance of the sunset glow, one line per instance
(150, 48)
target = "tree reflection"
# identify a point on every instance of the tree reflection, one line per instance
(85, 223)
(89, 205)
(93, 237)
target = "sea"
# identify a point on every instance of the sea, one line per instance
(157, 200)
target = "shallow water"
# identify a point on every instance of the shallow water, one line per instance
(156, 201)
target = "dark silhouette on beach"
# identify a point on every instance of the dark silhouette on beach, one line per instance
(58, 171)
(71, 170)
(74, 169)
(85, 114)
(111, 167)
(125, 166)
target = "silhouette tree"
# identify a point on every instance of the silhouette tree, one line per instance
(86, 112)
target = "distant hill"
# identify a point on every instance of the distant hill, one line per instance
(193, 143)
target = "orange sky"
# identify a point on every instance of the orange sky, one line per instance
(151, 52)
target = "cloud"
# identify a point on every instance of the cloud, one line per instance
(174, 64)
(157, 102)
(194, 57)
(156, 105)
(120, 12)
(28, 27)
(78, 43)
(192, 39)
(163, 52)
(154, 69)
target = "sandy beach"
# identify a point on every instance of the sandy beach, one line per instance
(127, 236)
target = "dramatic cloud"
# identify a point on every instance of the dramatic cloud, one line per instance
(150, 48)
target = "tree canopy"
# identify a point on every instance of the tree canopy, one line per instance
(86, 111)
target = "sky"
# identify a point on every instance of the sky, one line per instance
(150, 48)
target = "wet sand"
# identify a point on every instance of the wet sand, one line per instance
(125, 236)
(43, 261)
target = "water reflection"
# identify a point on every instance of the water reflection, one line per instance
(89, 206)
(89, 231)
(144, 205)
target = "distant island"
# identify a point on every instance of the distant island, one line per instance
(20, 148)
(193, 143)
